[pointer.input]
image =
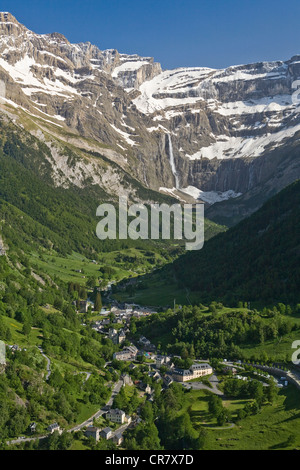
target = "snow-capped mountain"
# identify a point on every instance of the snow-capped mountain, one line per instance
(214, 134)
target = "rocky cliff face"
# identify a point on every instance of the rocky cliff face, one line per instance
(224, 126)
(79, 89)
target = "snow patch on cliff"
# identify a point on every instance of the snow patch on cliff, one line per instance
(239, 147)
(211, 197)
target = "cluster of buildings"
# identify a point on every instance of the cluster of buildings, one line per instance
(106, 433)
(100, 325)
(164, 361)
(127, 354)
(144, 387)
(117, 336)
(127, 311)
(15, 347)
(241, 377)
(121, 314)
(126, 380)
(155, 375)
(146, 344)
(51, 428)
(115, 416)
(130, 309)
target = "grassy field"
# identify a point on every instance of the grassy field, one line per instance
(66, 268)
(126, 263)
(86, 411)
(17, 337)
(156, 292)
(280, 348)
(275, 427)
(196, 404)
(79, 445)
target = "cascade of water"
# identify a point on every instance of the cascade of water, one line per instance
(172, 162)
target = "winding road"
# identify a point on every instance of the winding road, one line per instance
(88, 422)
(48, 362)
(214, 385)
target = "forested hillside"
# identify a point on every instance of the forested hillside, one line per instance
(257, 260)
(35, 212)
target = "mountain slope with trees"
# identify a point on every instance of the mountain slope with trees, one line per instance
(257, 260)
(254, 261)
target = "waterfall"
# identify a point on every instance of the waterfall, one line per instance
(172, 162)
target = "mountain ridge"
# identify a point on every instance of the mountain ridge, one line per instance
(212, 134)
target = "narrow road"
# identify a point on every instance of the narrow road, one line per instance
(88, 374)
(89, 422)
(214, 385)
(25, 439)
(292, 376)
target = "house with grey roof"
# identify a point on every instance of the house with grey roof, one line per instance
(118, 439)
(54, 427)
(94, 432)
(106, 433)
(116, 415)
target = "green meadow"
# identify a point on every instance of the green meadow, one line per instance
(276, 426)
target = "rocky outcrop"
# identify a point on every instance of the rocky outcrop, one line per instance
(270, 174)
(2, 247)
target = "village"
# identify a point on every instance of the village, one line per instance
(140, 358)
(133, 354)
(157, 368)
(142, 367)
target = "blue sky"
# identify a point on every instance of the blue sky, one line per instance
(212, 33)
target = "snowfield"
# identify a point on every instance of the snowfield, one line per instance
(239, 147)
(211, 197)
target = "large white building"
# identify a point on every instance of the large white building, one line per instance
(116, 416)
(195, 371)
